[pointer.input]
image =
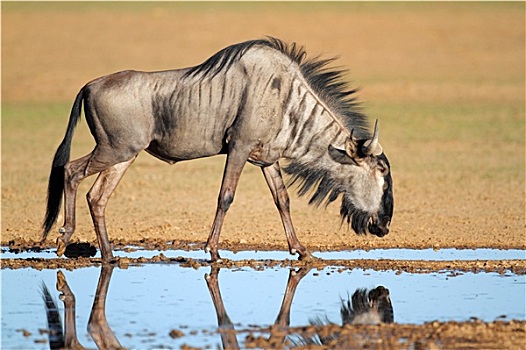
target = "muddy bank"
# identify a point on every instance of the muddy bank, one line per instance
(413, 266)
(432, 335)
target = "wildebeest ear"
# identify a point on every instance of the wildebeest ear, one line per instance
(351, 145)
(341, 156)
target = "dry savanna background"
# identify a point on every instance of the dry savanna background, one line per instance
(445, 80)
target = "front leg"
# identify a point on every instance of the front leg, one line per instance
(234, 165)
(295, 276)
(275, 182)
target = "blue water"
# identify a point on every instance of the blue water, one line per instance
(396, 254)
(145, 303)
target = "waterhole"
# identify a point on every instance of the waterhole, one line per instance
(168, 306)
(395, 254)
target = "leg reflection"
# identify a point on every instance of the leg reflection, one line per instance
(60, 338)
(278, 332)
(226, 327)
(98, 326)
(70, 327)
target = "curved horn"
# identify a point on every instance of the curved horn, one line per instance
(372, 147)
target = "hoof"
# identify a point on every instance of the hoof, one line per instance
(214, 255)
(61, 247)
(304, 254)
(61, 280)
(307, 257)
(215, 258)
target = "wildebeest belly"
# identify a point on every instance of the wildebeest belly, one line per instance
(186, 141)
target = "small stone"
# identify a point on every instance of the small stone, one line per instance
(175, 333)
(25, 332)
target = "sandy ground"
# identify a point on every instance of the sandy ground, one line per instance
(445, 80)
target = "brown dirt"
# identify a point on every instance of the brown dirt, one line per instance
(446, 81)
(413, 266)
(435, 335)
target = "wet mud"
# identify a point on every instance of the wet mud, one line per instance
(82, 254)
(416, 266)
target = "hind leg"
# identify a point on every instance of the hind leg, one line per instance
(98, 198)
(98, 326)
(74, 172)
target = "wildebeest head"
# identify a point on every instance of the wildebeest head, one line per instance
(366, 185)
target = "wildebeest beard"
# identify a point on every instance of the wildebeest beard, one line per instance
(358, 219)
(328, 190)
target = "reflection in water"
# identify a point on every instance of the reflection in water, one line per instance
(98, 326)
(371, 307)
(54, 322)
(279, 329)
(364, 307)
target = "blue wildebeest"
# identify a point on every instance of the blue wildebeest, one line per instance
(257, 101)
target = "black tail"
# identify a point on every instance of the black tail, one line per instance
(56, 178)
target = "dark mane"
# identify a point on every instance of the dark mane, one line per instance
(223, 59)
(327, 82)
(360, 303)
